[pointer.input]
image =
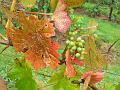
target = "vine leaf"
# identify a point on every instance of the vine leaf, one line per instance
(70, 60)
(28, 3)
(53, 4)
(70, 70)
(21, 74)
(59, 82)
(91, 78)
(74, 3)
(94, 60)
(117, 87)
(92, 26)
(61, 18)
(34, 40)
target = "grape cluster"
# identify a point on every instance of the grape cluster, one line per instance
(76, 45)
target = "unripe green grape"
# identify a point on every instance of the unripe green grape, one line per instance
(79, 49)
(74, 33)
(77, 55)
(83, 49)
(76, 43)
(70, 33)
(71, 51)
(68, 41)
(79, 39)
(69, 47)
(83, 52)
(74, 48)
(80, 44)
(71, 38)
(82, 41)
(72, 43)
(95, 35)
(82, 57)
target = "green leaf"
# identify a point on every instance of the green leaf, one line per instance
(59, 82)
(21, 74)
(64, 84)
(57, 76)
(26, 83)
(28, 3)
(117, 87)
(109, 86)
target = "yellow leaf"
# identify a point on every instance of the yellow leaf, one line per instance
(94, 60)
(28, 3)
(53, 4)
(92, 26)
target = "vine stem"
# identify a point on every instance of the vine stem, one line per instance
(11, 10)
(4, 38)
(112, 45)
(48, 14)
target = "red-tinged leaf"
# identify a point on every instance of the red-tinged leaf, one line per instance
(84, 76)
(78, 62)
(96, 77)
(68, 57)
(70, 71)
(61, 18)
(62, 21)
(61, 6)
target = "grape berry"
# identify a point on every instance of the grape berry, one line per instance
(76, 45)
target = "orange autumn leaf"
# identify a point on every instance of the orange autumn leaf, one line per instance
(34, 41)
